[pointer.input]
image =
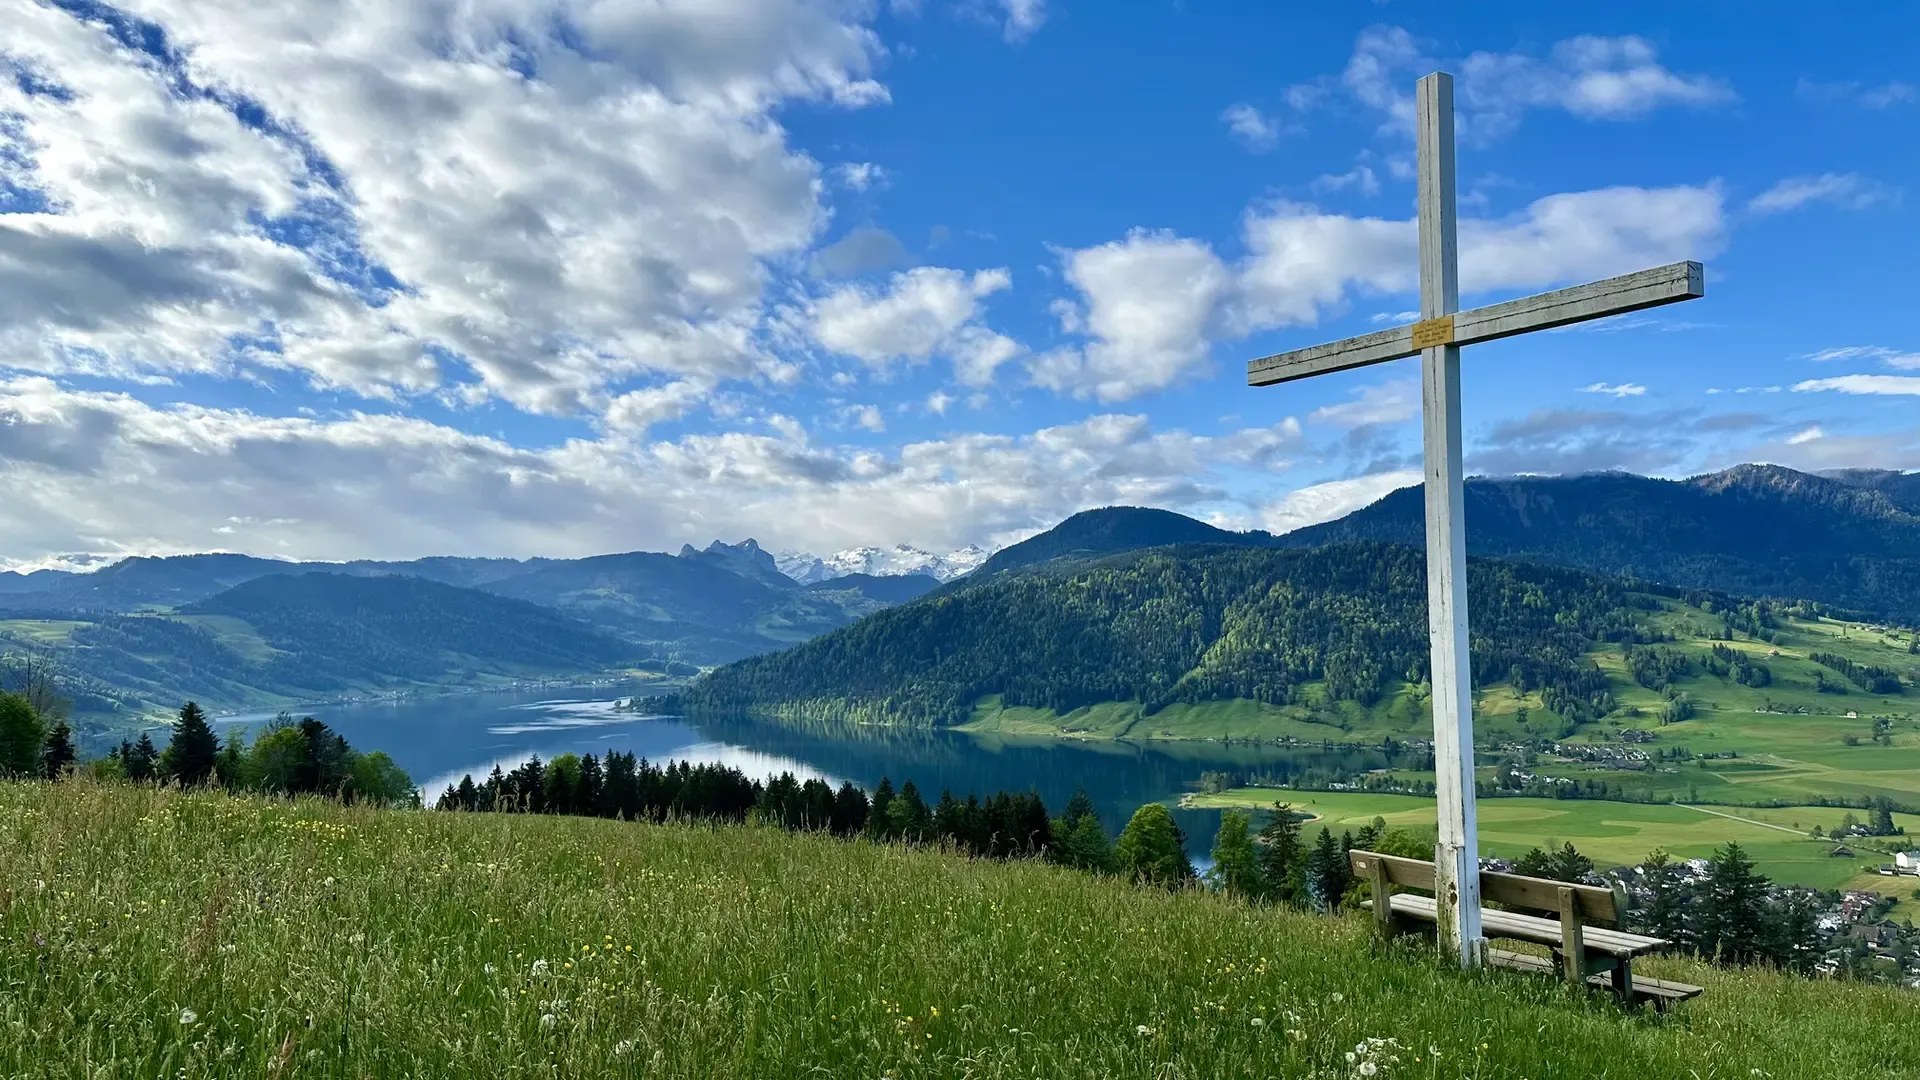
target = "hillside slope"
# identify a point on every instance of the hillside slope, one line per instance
(1191, 624)
(279, 639)
(452, 945)
(1755, 530)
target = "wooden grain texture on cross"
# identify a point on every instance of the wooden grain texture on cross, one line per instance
(1582, 303)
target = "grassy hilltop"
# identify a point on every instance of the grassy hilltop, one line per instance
(152, 933)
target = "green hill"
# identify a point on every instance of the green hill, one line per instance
(300, 637)
(1186, 626)
(153, 933)
(1757, 530)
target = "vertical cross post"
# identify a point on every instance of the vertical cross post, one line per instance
(1456, 856)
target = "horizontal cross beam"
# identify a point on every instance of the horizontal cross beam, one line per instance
(1614, 296)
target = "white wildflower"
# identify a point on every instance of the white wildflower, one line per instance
(1368, 1068)
(540, 969)
(188, 1018)
(1257, 1022)
(1143, 1030)
(328, 883)
(547, 1020)
(623, 1048)
(1338, 997)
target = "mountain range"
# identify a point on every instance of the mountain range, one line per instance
(236, 630)
(880, 562)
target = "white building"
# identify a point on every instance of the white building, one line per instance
(1907, 862)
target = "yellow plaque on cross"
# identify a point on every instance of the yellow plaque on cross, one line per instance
(1433, 332)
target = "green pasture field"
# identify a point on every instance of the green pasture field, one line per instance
(1612, 833)
(152, 933)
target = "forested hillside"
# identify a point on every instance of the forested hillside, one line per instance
(1187, 625)
(1755, 530)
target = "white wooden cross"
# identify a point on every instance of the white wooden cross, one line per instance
(1437, 337)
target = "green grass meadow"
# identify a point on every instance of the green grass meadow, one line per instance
(1612, 833)
(157, 934)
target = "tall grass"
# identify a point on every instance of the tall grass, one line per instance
(154, 934)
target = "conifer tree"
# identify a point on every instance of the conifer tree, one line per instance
(1280, 854)
(879, 826)
(1733, 918)
(58, 755)
(190, 756)
(1569, 865)
(1326, 871)
(139, 759)
(850, 810)
(1665, 913)
(1235, 869)
(908, 816)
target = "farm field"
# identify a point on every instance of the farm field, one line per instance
(156, 933)
(1613, 833)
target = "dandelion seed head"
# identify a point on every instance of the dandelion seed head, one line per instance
(188, 1018)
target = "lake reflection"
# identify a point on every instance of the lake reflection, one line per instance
(438, 740)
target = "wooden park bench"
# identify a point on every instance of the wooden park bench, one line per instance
(1586, 947)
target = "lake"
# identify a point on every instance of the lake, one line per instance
(438, 740)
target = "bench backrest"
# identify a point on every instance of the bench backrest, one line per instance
(1595, 905)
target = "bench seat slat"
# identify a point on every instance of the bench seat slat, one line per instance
(1642, 985)
(1530, 927)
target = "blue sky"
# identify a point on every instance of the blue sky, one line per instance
(346, 279)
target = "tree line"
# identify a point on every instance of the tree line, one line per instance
(303, 757)
(1004, 825)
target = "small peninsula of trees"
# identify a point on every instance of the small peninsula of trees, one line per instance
(303, 757)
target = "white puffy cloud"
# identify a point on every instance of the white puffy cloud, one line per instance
(1255, 130)
(416, 195)
(1596, 78)
(1863, 384)
(1333, 499)
(107, 473)
(1151, 303)
(1147, 301)
(922, 312)
(1849, 191)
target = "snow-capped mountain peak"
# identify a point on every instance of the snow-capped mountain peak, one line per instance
(880, 562)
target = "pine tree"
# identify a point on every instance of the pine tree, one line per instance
(58, 755)
(190, 756)
(1569, 865)
(878, 824)
(1081, 805)
(1326, 872)
(908, 817)
(1733, 918)
(1280, 854)
(1149, 850)
(139, 759)
(21, 736)
(849, 810)
(1085, 846)
(1535, 863)
(1236, 870)
(1665, 913)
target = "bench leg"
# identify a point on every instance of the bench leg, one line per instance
(1623, 980)
(1573, 946)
